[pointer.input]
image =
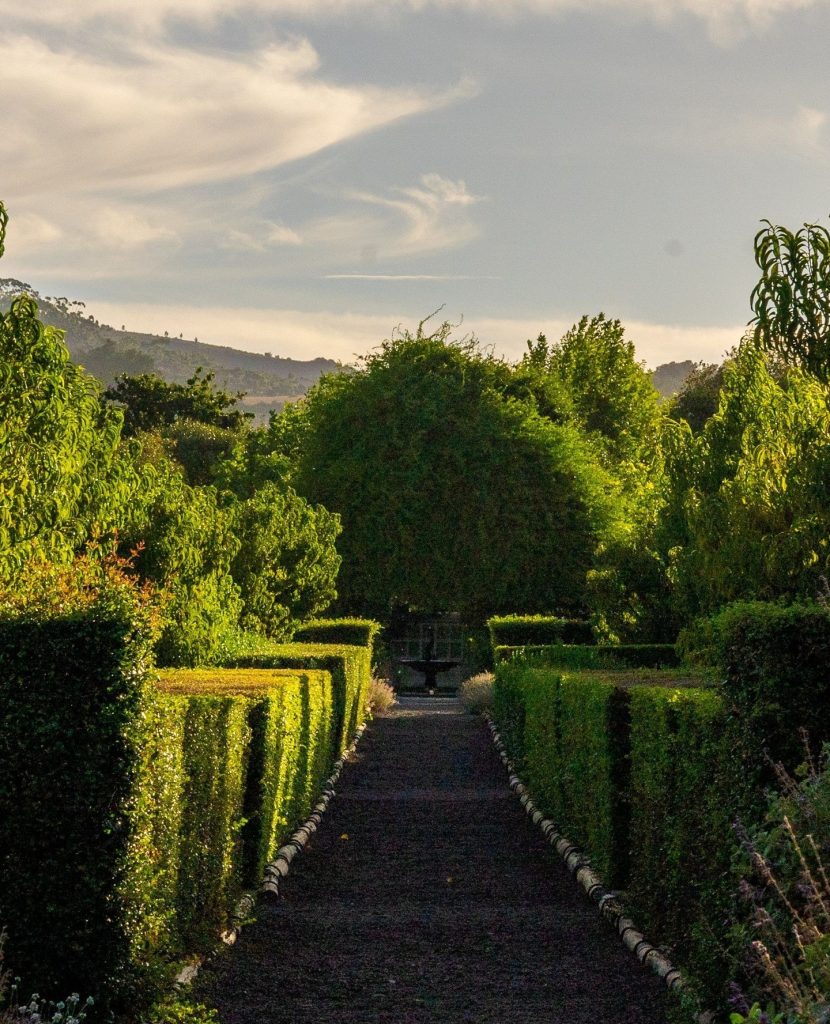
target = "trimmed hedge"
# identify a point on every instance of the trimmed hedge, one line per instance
(774, 663)
(595, 656)
(133, 813)
(648, 780)
(355, 632)
(350, 668)
(689, 783)
(524, 630)
(293, 726)
(73, 717)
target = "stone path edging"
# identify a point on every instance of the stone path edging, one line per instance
(280, 865)
(578, 865)
(278, 868)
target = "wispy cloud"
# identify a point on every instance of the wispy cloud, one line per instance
(165, 116)
(261, 237)
(725, 19)
(433, 216)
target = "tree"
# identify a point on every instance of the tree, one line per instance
(698, 398)
(65, 477)
(149, 402)
(747, 513)
(613, 396)
(791, 301)
(287, 562)
(185, 544)
(453, 494)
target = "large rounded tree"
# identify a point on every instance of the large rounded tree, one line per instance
(452, 495)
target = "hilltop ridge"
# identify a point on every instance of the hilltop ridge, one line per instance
(105, 351)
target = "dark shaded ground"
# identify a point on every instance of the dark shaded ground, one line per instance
(428, 897)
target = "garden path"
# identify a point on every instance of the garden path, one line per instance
(427, 897)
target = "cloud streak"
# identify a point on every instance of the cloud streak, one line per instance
(169, 117)
(724, 18)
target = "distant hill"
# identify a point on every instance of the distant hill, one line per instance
(268, 381)
(105, 352)
(669, 378)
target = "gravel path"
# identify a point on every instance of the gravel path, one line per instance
(428, 897)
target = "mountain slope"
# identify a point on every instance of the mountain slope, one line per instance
(106, 352)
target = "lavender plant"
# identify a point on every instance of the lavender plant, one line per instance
(789, 892)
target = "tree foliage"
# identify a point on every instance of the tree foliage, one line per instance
(791, 301)
(64, 476)
(185, 544)
(613, 397)
(747, 514)
(287, 562)
(453, 493)
(149, 402)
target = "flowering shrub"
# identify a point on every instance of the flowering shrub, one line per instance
(36, 1010)
(788, 890)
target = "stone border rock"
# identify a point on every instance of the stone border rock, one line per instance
(278, 868)
(579, 866)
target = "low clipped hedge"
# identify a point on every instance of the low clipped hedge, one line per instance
(134, 810)
(354, 632)
(595, 656)
(351, 671)
(648, 778)
(525, 630)
(690, 779)
(773, 662)
(291, 724)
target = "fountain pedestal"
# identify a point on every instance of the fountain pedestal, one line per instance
(430, 668)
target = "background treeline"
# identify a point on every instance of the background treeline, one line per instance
(432, 476)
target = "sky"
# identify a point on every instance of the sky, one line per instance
(304, 177)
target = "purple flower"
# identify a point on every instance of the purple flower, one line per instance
(737, 1000)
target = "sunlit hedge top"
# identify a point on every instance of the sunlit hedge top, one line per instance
(360, 632)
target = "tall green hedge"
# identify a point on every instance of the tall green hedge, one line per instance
(356, 632)
(648, 779)
(774, 664)
(350, 668)
(523, 630)
(132, 812)
(292, 723)
(72, 704)
(689, 783)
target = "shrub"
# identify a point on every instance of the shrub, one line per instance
(476, 693)
(381, 696)
(523, 630)
(509, 708)
(71, 698)
(773, 660)
(647, 777)
(291, 720)
(356, 632)
(169, 797)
